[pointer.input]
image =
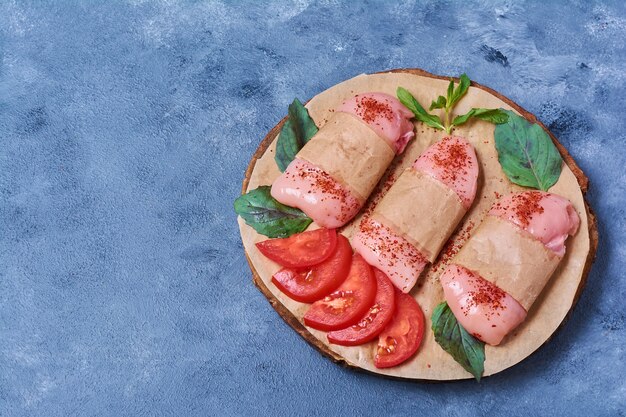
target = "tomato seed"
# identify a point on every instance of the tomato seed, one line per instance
(388, 347)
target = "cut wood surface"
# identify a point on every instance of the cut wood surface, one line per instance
(432, 363)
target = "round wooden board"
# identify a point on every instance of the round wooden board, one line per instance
(432, 363)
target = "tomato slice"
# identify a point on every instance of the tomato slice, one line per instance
(348, 303)
(403, 335)
(374, 320)
(300, 250)
(311, 284)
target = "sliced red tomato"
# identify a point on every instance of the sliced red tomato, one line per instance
(311, 284)
(348, 303)
(403, 335)
(300, 250)
(374, 320)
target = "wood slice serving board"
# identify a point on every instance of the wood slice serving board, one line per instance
(431, 362)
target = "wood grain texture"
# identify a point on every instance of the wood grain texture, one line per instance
(293, 321)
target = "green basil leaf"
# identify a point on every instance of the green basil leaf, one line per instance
(269, 217)
(526, 153)
(422, 115)
(468, 351)
(497, 116)
(464, 84)
(459, 120)
(450, 92)
(409, 101)
(296, 132)
(440, 103)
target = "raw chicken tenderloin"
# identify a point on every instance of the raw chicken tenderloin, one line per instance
(335, 172)
(420, 211)
(482, 308)
(501, 270)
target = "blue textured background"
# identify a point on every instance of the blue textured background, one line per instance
(125, 129)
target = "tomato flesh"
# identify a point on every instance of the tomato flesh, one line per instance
(348, 303)
(311, 284)
(300, 250)
(403, 335)
(374, 321)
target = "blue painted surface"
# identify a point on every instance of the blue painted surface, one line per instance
(125, 129)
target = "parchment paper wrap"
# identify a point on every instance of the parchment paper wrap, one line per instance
(431, 362)
(350, 152)
(510, 258)
(422, 210)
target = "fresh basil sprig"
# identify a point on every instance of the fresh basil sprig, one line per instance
(269, 217)
(468, 351)
(296, 132)
(447, 103)
(526, 153)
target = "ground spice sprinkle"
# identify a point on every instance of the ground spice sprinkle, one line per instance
(369, 109)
